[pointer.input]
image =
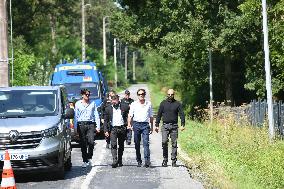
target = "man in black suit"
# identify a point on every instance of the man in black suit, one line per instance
(115, 121)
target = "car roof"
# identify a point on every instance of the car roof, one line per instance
(31, 88)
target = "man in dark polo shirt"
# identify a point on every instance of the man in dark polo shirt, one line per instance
(170, 109)
(127, 100)
(115, 122)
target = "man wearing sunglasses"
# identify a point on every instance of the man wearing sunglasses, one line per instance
(170, 109)
(115, 122)
(141, 112)
(87, 119)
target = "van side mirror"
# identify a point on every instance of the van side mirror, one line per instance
(69, 114)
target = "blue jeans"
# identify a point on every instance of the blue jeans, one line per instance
(141, 128)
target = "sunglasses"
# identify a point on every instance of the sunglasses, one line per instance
(170, 94)
(141, 94)
(88, 94)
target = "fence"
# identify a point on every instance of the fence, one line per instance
(256, 112)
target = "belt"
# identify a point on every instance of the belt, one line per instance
(169, 123)
(119, 126)
(140, 122)
(85, 122)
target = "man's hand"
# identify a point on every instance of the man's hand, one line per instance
(102, 120)
(129, 127)
(182, 128)
(106, 134)
(98, 130)
(157, 129)
(151, 130)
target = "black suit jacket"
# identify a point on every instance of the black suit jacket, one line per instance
(108, 115)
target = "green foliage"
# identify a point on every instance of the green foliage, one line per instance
(24, 59)
(184, 30)
(231, 156)
(52, 32)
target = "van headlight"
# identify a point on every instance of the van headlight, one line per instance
(51, 132)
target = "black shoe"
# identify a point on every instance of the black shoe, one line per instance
(174, 164)
(128, 143)
(114, 165)
(119, 164)
(147, 164)
(107, 145)
(164, 164)
(139, 164)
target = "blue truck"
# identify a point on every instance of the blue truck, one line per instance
(77, 76)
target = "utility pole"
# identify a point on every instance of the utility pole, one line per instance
(11, 44)
(133, 66)
(115, 63)
(211, 87)
(125, 62)
(267, 72)
(83, 30)
(104, 39)
(4, 68)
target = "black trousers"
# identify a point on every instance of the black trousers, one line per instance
(172, 131)
(86, 132)
(117, 136)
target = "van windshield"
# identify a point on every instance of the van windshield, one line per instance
(74, 89)
(28, 103)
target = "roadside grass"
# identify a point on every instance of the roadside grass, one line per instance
(233, 156)
(157, 96)
(227, 154)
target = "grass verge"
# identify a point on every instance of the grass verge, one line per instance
(230, 156)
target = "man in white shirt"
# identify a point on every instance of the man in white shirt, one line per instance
(141, 112)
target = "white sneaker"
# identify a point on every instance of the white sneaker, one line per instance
(90, 162)
(85, 164)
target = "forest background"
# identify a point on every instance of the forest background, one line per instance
(171, 38)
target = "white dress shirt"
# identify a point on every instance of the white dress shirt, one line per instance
(141, 112)
(117, 119)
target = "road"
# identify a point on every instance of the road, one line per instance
(103, 176)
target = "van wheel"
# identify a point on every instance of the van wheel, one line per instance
(60, 173)
(68, 164)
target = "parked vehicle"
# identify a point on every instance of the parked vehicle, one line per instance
(33, 128)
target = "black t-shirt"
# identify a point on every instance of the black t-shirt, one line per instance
(170, 110)
(127, 101)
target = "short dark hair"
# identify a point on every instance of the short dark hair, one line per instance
(127, 92)
(114, 97)
(141, 90)
(84, 91)
(111, 91)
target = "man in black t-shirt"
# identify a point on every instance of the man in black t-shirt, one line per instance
(127, 100)
(170, 109)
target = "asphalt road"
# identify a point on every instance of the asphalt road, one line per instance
(103, 176)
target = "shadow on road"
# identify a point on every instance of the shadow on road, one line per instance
(76, 171)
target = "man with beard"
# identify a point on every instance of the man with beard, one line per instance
(170, 109)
